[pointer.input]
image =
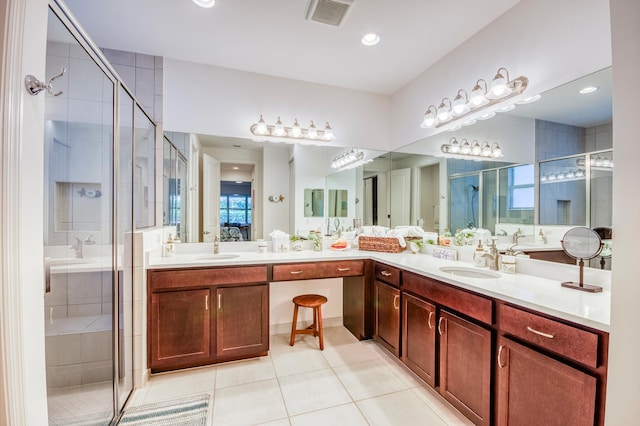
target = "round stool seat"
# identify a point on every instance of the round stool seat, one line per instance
(310, 300)
(315, 302)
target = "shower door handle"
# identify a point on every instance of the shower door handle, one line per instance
(47, 275)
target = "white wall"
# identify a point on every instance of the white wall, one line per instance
(623, 386)
(548, 41)
(276, 181)
(226, 102)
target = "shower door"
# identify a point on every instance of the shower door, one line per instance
(88, 226)
(463, 202)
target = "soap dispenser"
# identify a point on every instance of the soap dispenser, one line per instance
(478, 256)
(169, 249)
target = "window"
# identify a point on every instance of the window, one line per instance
(521, 195)
(235, 209)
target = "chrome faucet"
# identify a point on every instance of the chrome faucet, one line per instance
(493, 255)
(216, 245)
(501, 233)
(517, 235)
(79, 244)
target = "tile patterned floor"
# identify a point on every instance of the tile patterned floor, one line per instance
(349, 383)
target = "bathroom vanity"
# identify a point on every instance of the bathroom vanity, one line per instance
(497, 347)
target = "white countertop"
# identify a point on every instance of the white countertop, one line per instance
(529, 291)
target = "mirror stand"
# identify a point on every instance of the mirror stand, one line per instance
(581, 285)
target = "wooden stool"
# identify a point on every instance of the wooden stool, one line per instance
(314, 301)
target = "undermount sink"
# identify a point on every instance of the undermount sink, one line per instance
(463, 271)
(217, 257)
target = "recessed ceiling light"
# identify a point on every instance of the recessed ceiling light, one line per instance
(370, 39)
(205, 3)
(236, 168)
(507, 108)
(530, 99)
(589, 89)
(238, 181)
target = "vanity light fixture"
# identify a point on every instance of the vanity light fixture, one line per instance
(480, 97)
(347, 158)
(279, 130)
(205, 3)
(473, 149)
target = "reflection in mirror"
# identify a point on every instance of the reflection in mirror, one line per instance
(313, 202)
(174, 204)
(338, 199)
(563, 192)
(517, 195)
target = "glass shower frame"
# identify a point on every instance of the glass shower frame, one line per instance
(123, 211)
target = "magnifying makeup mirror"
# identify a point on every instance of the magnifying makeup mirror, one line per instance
(581, 243)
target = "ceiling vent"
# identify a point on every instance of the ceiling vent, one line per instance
(331, 12)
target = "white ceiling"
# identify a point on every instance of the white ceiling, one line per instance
(274, 37)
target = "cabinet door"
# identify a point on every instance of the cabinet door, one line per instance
(387, 307)
(419, 337)
(242, 321)
(180, 328)
(534, 389)
(465, 366)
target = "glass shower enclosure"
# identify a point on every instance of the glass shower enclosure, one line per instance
(99, 157)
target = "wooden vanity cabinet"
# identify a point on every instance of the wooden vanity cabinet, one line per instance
(548, 371)
(357, 287)
(419, 337)
(447, 340)
(202, 316)
(180, 328)
(387, 307)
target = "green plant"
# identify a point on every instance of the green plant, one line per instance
(294, 238)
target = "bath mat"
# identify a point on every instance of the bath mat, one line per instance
(191, 411)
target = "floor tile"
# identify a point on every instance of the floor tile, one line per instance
(301, 361)
(368, 379)
(348, 354)
(441, 407)
(179, 383)
(347, 414)
(399, 408)
(399, 369)
(246, 371)
(312, 391)
(247, 404)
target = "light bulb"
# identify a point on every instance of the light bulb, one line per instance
(443, 113)
(455, 145)
(312, 133)
(328, 132)
(496, 151)
(278, 130)
(465, 148)
(296, 131)
(261, 127)
(478, 93)
(429, 117)
(486, 149)
(475, 148)
(460, 104)
(499, 86)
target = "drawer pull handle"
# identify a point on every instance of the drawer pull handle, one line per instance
(220, 301)
(396, 301)
(343, 269)
(431, 314)
(500, 356)
(440, 326)
(540, 333)
(206, 302)
(295, 272)
(385, 273)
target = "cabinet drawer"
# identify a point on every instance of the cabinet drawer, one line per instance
(469, 304)
(306, 271)
(388, 274)
(184, 278)
(572, 342)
